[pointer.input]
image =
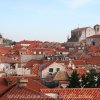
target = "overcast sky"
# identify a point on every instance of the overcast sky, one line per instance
(47, 20)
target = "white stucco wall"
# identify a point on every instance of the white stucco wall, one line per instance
(45, 72)
(23, 71)
(87, 33)
(82, 35)
(4, 66)
(90, 32)
(1, 40)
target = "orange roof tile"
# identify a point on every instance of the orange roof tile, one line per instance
(93, 48)
(45, 65)
(35, 69)
(16, 93)
(79, 62)
(64, 62)
(94, 60)
(29, 92)
(3, 85)
(80, 71)
(5, 59)
(35, 84)
(30, 63)
(76, 93)
(62, 50)
(5, 50)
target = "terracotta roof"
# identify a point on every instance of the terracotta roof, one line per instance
(17, 93)
(45, 65)
(35, 77)
(29, 92)
(5, 59)
(79, 62)
(35, 84)
(3, 85)
(73, 52)
(76, 93)
(63, 82)
(61, 76)
(80, 71)
(65, 62)
(5, 50)
(94, 60)
(30, 63)
(35, 69)
(50, 52)
(93, 48)
(62, 50)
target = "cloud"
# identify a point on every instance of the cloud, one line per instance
(78, 3)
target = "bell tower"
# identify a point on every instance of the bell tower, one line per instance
(97, 29)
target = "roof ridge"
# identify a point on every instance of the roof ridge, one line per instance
(7, 90)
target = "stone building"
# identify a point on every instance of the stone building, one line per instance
(93, 40)
(80, 34)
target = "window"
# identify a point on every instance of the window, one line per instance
(50, 69)
(40, 52)
(34, 52)
(61, 53)
(58, 69)
(93, 43)
(97, 29)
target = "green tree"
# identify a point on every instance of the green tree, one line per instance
(89, 81)
(52, 84)
(13, 43)
(83, 81)
(98, 80)
(74, 80)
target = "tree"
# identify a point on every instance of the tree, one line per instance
(89, 81)
(74, 80)
(98, 80)
(52, 84)
(83, 81)
(13, 43)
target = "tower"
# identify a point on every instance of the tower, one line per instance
(97, 29)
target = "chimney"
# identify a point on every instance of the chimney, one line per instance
(22, 82)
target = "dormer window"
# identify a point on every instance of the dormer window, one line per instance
(21, 53)
(50, 69)
(40, 52)
(58, 69)
(34, 52)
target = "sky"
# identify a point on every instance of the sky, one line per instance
(46, 20)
